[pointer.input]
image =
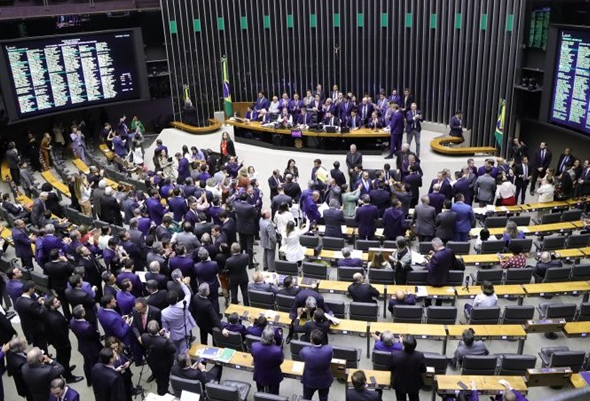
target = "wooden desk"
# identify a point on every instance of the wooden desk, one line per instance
(382, 378)
(420, 331)
(110, 155)
(447, 384)
(502, 291)
(213, 126)
(55, 183)
(482, 259)
(331, 255)
(341, 287)
(83, 168)
(495, 332)
(578, 381)
(530, 230)
(577, 329)
(531, 207)
(566, 288)
(438, 145)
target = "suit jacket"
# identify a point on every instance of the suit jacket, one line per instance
(31, 316)
(107, 383)
(366, 217)
(414, 181)
(380, 198)
(456, 127)
(300, 298)
(444, 225)
(22, 243)
(267, 364)
(394, 223)
(424, 216)
(59, 273)
(159, 352)
(268, 234)
(277, 200)
(437, 200)
(364, 111)
(520, 180)
(14, 364)
(111, 210)
(237, 266)
(273, 184)
(333, 219)
(462, 186)
(37, 212)
(38, 378)
(246, 215)
(338, 177)
(317, 372)
(563, 161)
(88, 337)
(113, 324)
(155, 209)
(406, 371)
(178, 207)
(439, 265)
(363, 395)
(7, 332)
(413, 123)
(485, 188)
(71, 395)
(363, 292)
(354, 122)
(206, 272)
(193, 374)
(229, 228)
(397, 123)
(204, 314)
(542, 162)
(58, 334)
(158, 299)
(465, 217)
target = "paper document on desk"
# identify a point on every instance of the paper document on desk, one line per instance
(270, 314)
(418, 259)
(189, 396)
(226, 355)
(357, 253)
(479, 210)
(490, 208)
(298, 367)
(421, 291)
(166, 397)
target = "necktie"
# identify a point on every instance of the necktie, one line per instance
(353, 122)
(524, 171)
(143, 320)
(365, 111)
(413, 119)
(542, 155)
(565, 159)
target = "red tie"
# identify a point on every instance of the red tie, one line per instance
(143, 320)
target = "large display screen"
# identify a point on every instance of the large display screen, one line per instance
(59, 73)
(571, 83)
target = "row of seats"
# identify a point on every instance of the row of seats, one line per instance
(524, 221)
(578, 272)
(227, 390)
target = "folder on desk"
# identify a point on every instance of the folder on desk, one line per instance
(210, 353)
(226, 355)
(421, 291)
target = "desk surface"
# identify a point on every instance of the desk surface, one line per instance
(487, 384)
(501, 332)
(359, 133)
(417, 330)
(507, 290)
(327, 254)
(533, 229)
(577, 329)
(578, 381)
(341, 287)
(568, 287)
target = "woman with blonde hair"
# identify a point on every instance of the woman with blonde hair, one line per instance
(242, 180)
(83, 193)
(512, 232)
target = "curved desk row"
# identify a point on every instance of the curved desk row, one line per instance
(439, 145)
(213, 126)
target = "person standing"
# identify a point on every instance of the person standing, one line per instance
(31, 312)
(396, 127)
(541, 162)
(160, 354)
(59, 391)
(237, 266)
(465, 218)
(359, 391)
(246, 226)
(406, 368)
(522, 177)
(423, 219)
(22, 244)
(13, 160)
(414, 126)
(317, 373)
(204, 313)
(441, 260)
(268, 357)
(38, 373)
(88, 340)
(353, 159)
(268, 240)
(456, 126)
(108, 382)
(176, 317)
(485, 188)
(366, 216)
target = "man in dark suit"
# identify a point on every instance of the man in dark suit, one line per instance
(246, 226)
(407, 100)
(58, 336)
(31, 312)
(541, 162)
(456, 125)
(413, 182)
(107, 381)
(38, 373)
(545, 262)
(204, 313)
(160, 354)
(380, 197)
(112, 323)
(414, 126)
(333, 219)
(347, 260)
(440, 262)
(237, 266)
(359, 391)
(185, 370)
(317, 374)
(353, 159)
(361, 291)
(406, 368)
(13, 161)
(38, 210)
(337, 175)
(566, 158)
(301, 301)
(394, 221)
(61, 392)
(365, 109)
(366, 217)
(463, 186)
(444, 224)
(279, 199)
(142, 314)
(396, 131)
(292, 189)
(15, 359)
(88, 340)
(22, 244)
(584, 180)
(274, 182)
(522, 176)
(268, 357)
(59, 270)
(110, 208)
(156, 294)
(436, 199)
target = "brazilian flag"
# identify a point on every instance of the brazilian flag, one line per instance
(227, 104)
(500, 123)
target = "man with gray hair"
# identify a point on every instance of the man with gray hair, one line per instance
(39, 208)
(154, 274)
(204, 314)
(268, 240)
(38, 373)
(160, 354)
(333, 219)
(268, 357)
(543, 264)
(97, 195)
(423, 219)
(347, 260)
(361, 291)
(440, 261)
(187, 238)
(110, 208)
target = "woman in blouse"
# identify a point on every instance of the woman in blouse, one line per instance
(84, 191)
(45, 158)
(291, 247)
(487, 298)
(401, 259)
(512, 232)
(226, 147)
(252, 174)
(517, 260)
(292, 169)
(282, 217)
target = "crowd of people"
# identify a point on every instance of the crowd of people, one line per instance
(193, 233)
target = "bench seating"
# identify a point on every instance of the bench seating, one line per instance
(438, 145)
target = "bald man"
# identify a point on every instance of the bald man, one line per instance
(361, 291)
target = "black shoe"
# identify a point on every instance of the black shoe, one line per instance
(389, 157)
(136, 391)
(151, 379)
(72, 367)
(74, 379)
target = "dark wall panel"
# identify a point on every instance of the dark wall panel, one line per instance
(453, 54)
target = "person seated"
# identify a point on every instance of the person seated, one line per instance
(484, 235)
(196, 371)
(359, 392)
(401, 298)
(347, 260)
(330, 120)
(545, 262)
(18, 211)
(286, 119)
(468, 346)
(378, 262)
(308, 300)
(258, 326)
(374, 122)
(251, 115)
(260, 285)
(512, 232)
(361, 291)
(234, 324)
(487, 298)
(319, 322)
(509, 393)
(517, 260)
(386, 342)
(289, 287)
